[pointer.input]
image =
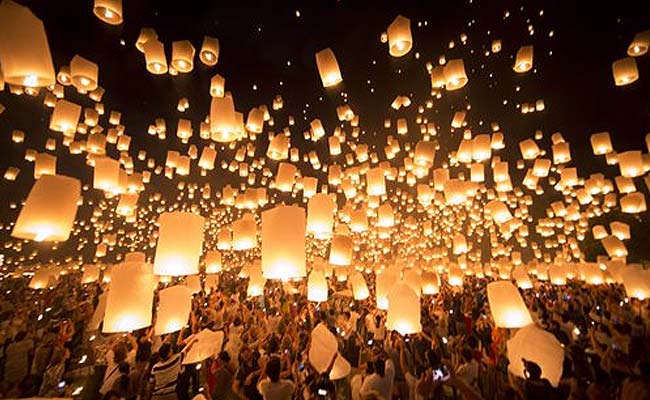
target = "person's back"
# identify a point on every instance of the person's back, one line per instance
(536, 387)
(165, 374)
(272, 387)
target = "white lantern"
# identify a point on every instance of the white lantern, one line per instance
(534, 344)
(174, 307)
(130, 298)
(403, 310)
(507, 307)
(180, 238)
(283, 242)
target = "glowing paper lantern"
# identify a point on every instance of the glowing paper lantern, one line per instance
(90, 274)
(340, 369)
(320, 215)
(109, 11)
(174, 307)
(534, 344)
(65, 117)
(154, 54)
(180, 237)
(633, 203)
(341, 250)
(630, 163)
(316, 286)
(24, 51)
(84, 73)
(43, 278)
(359, 287)
(601, 143)
(375, 183)
(430, 283)
(213, 263)
(130, 298)
(223, 120)
(639, 45)
(625, 71)
(106, 174)
(322, 348)
(328, 68)
(50, 209)
(384, 281)
(635, 281)
(256, 284)
(403, 313)
(507, 307)
(44, 164)
(209, 53)
(400, 40)
(524, 59)
(454, 72)
(183, 56)
(283, 242)
(244, 233)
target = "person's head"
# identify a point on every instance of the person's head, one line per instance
(380, 366)
(124, 368)
(120, 352)
(224, 356)
(532, 370)
(20, 336)
(165, 351)
(273, 369)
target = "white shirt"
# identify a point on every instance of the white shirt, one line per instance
(382, 385)
(281, 390)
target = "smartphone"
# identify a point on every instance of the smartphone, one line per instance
(322, 392)
(441, 374)
(301, 367)
(370, 342)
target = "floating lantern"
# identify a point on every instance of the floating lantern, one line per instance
(43, 278)
(359, 287)
(341, 250)
(106, 174)
(524, 59)
(50, 209)
(454, 72)
(130, 298)
(534, 344)
(154, 55)
(320, 215)
(625, 71)
(109, 11)
(213, 263)
(223, 120)
(65, 117)
(24, 52)
(403, 313)
(322, 348)
(316, 286)
(283, 243)
(44, 164)
(174, 307)
(180, 237)
(244, 233)
(145, 35)
(640, 44)
(209, 53)
(183, 56)
(375, 183)
(507, 307)
(601, 143)
(635, 281)
(328, 68)
(630, 164)
(400, 40)
(84, 73)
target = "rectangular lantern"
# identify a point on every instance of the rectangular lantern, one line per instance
(283, 242)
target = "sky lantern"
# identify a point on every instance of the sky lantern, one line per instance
(183, 56)
(317, 286)
(180, 238)
(403, 313)
(524, 59)
(24, 51)
(320, 215)
(43, 278)
(384, 281)
(255, 120)
(328, 68)
(50, 209)
(322, 348)
(630, 163)
(400, 40)
(106, 174)
(217, 86)
(359, 287)
(90, 273)
(639, 45)
(430, 283)
(341, 250)
(223, 120)
(65, 117)
(454, 72)
(244, 233)
(375, 183)
(209, 53)
(635, 281)
(213, 263)
(539, 346)
(507, 307)
(84, 73)
(44, 164)
(285, 177)
(278, 147)
(283, 242)
(109, 11)
(625, 71)
(127, 204)
(154, 54)
(130, 298)
(174, 306)
(145, 35)
(601, 143)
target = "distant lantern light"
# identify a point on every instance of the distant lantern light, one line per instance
(183, 56)
(50, 209)
(317, 286)
(454, 72)
(109, 11)
(328, 68)
(400, 40)
(180, 238)
(639, 45)
(524, 59)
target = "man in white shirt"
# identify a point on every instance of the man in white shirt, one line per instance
(381, 381)
(270, 386)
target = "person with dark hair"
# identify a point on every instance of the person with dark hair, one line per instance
(637, 387)
(381, 381)
(223, 371)
(536, 387)
(119, 353)
(122, 384)
(164, 374)
(54, 372)
(16, 365)
(270, 386)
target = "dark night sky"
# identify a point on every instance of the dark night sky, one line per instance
(259, 38)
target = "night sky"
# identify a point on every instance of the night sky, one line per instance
(267, 49)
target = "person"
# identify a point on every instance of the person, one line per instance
(54, 372)
(223, 370)
(17, 358)
(270, 386)
(118, 354)
(164, 374)
(381, 381)
(637, 387)
(536, 387)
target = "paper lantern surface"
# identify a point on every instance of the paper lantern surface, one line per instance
(507, 307)
(130, 298)
(174, 307)
(322, 348)
(328, 68)
(283, 242)
(50, 209)
(180, 239)
(208, 344)
(534, 344)
(403, 310)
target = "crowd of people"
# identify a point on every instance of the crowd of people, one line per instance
(49, 350)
